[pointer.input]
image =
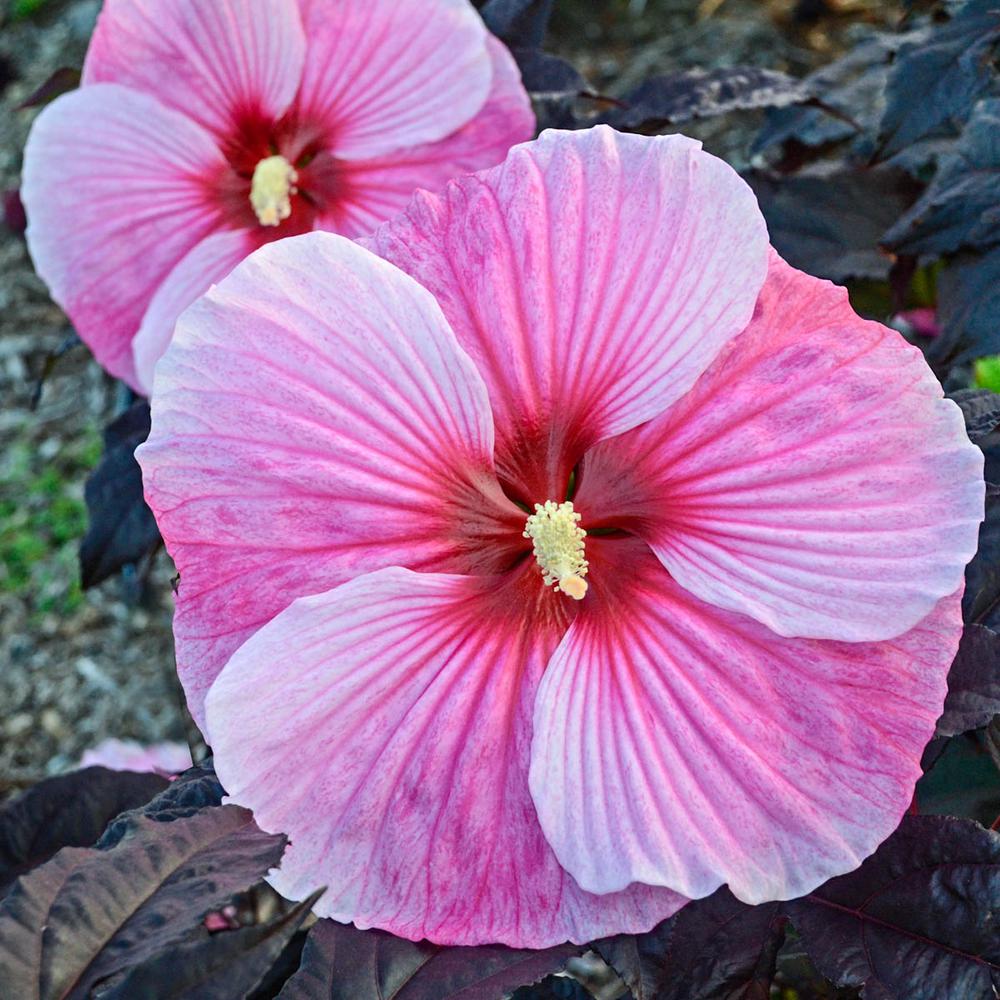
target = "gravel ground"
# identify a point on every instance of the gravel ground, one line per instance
(77, 667)
(74, 667)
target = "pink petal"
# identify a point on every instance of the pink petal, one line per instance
(207, 262)
(388, 735)
(314, 418)
(219, 62)
(681, 745)
(128, 755)
(814, 478)
(381, 188)
(117, 190)
(389, 74)
(592, 277)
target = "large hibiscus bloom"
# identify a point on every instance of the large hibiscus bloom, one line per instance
(206, 128)
(634, 554)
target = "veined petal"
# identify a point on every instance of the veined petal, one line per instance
(206, 263)
(593, 277)
(117, 189)
(313, 419)
(373, 191)
(814, 478)
(682, 745)
(388, 735)
(216, 61)
(388, 74)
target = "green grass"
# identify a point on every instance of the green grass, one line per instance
(25, 8)
(987, 373)
(42, 518)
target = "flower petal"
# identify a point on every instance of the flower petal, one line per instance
(682, 745)
(814, 478)
(593, 277)
(207, 262)
(217, 62)
(378, 189)
(313, 419)
(387, 74)
(130, 755)
(117, 191)
(388, 735)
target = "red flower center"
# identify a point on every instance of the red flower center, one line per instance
(315, 180)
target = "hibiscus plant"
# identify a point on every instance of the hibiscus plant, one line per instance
(587, 553)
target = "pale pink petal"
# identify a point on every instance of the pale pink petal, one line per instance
(376, 190)
(385, 727)
(128, 755)
(208, 262)
(686, 746)
(313, 418)
(219, 62)
(592, 277)
(815, 478)
(117, 189)
(388, 74)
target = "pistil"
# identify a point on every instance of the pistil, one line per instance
(274, 180)
(558, 541)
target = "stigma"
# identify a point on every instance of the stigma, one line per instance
(271, 191)
(555, 531)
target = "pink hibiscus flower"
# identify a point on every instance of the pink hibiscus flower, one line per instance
(205, 129)
(635, 555)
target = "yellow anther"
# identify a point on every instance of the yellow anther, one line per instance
(271, 192)
(555, 532)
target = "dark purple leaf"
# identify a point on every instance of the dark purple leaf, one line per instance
(519, 23)
(697, 93)
(554, 85)
(340, 962)
(852, 94)
(968, 306)
(13, 211)
(22, 915)
(226, 966)
(132, 900)
(8, 72)
(639, 958)
(121, 906)
(122, 529)
(829, 224)
(973, 683)
(62, 81)
(981, 600)
(981, 409)
(936, 81)
(961, 207)
(71, 810)
(196, 789)
(560, 988)
(962, 781)
(917, 921)
(286, 965)
(714, 949)
(991, 738)
(545, 75)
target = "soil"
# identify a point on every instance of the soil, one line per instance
(77, 667)
(74, 667)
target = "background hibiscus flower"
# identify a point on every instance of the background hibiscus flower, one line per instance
(204, 130)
